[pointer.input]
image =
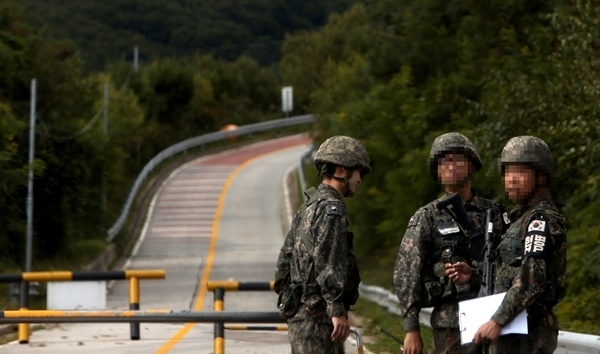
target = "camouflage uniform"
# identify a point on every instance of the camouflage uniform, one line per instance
(419, 277)
(531, 260)
(419, 273)
(318, 256)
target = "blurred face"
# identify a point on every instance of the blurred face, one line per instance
(355, 180)
(519, 182)
(453, 169)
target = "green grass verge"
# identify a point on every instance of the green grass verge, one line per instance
(374, 318)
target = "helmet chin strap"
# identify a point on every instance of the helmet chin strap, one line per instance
(348, 193)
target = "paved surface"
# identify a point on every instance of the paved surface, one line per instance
(215, 218)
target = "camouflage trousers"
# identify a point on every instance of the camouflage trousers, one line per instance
(447, 341)
(308, 337)
(541, 340)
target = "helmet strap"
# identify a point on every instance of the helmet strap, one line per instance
(348, 193)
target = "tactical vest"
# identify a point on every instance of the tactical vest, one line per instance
(450, 245)
(510, 255)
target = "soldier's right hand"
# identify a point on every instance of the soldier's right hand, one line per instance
(413, 343)
(459, 273)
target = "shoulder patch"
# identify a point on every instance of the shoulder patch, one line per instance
(333, 210)
(413, 221)
(538, 242)
(506, 218)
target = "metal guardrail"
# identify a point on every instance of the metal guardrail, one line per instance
(306, 156)
(568, 342)
(201, 140)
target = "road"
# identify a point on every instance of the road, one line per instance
(216, 218)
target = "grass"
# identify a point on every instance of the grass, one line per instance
(374, 319)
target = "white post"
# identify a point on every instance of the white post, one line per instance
(287, 100)
(135, 59)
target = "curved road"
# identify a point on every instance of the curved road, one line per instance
(216, 218)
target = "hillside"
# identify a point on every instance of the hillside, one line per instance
(107, 31)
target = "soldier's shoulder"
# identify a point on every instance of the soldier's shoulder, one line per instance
(423, 213)
(547, 210)
(331, 206)
(486, 203)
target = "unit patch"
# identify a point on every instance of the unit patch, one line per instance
(333, 210)
(413, 221)
(537, 225)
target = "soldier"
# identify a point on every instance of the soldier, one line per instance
(531, 261)
(316, 277)
(433, 239)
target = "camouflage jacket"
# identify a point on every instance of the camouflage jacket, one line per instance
(419, 254)
(531, 264)
(325, 272)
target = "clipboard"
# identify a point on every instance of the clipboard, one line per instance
(474, 313)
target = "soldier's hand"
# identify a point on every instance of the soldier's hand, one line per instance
(341, 328)
(488, 332)
(413, 343)
(459, 273)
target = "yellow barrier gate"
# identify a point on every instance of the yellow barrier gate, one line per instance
(132, 275)
(219, 287)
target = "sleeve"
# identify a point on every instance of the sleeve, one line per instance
(530, 281)
(408, 269)
(282, 269)
(330, 256)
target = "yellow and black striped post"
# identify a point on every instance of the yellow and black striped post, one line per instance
(218, 288)
(51, 276)
(134, 304)
(219, 305)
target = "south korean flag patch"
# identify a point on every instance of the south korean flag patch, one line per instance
(537, 240)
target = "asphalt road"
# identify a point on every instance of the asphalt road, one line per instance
(215, 218)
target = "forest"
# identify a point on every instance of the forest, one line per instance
(394, 75)
(107, 31)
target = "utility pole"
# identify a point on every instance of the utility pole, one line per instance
(105, 131)
(25, 285)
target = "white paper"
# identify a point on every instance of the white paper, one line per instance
(476, 312)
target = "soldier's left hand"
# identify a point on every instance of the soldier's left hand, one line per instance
(341, 328)
(459, 273)
(488, 332)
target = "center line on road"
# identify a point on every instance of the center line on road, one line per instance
(211, 252)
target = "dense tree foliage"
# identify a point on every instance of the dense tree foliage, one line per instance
(408, 72)
(88, 149)
(108, 31)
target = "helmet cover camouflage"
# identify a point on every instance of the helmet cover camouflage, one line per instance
(528, 150)
(344, 151)
(452, 143)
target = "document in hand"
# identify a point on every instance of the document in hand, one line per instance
(474, 313)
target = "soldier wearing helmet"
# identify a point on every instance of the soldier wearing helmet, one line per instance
(531, 257)
(436, 253)
(316, 276)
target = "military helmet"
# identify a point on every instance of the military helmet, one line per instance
(456, 143)
(528, 150)
(344, 151)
